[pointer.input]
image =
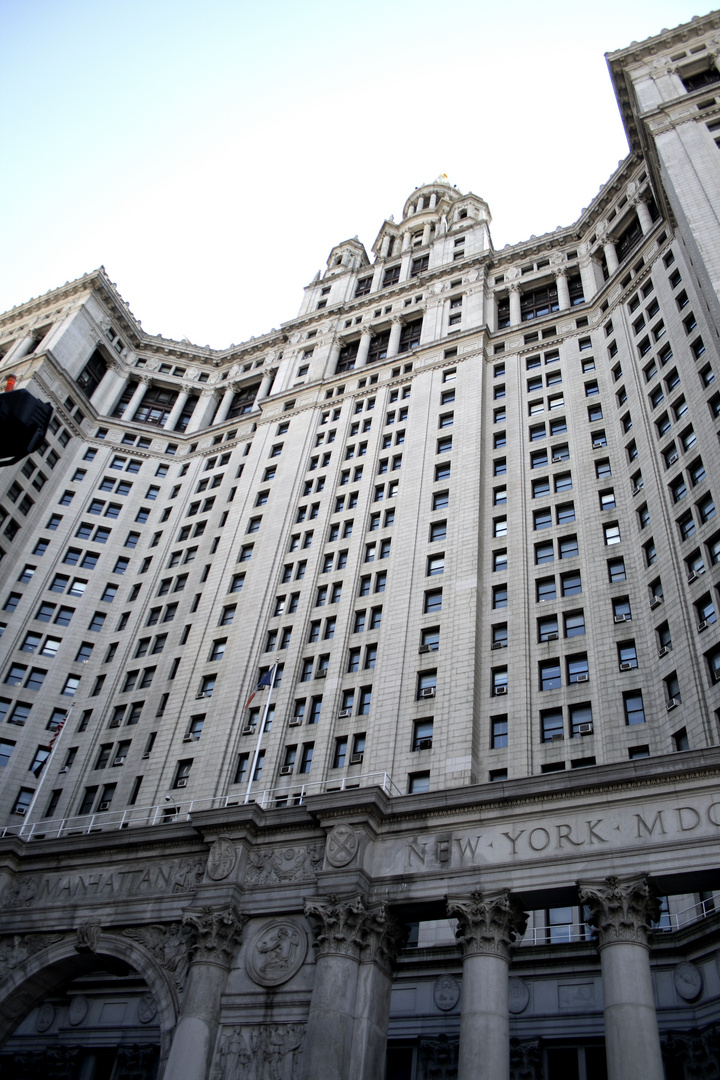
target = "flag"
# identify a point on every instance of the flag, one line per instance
(265, 681)
(58, 729)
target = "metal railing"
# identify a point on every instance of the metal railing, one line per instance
(174, 809)
(669, 922)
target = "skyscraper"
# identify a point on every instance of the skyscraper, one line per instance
(461, 513)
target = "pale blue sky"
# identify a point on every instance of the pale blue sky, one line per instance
(210, 155)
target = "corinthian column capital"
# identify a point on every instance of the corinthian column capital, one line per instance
(487, 922)
(622, 909)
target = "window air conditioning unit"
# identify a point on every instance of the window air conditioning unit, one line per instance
(655, 602)
(104, 805)
(356, 759)
(286, 770)
(556, 458)
(344, 714)
(620, 618)
(248, 729)
(146, 754)
(626, 666)
(692, 577)
(671, 704)
(119, 761)
(295, 721)
(20, 810)
(585, 729)
(637, 489)
(424, 744)
(716, 676)
(500, 690)
(427, 691)
(201, 694)
(182, 782)
(189, 738)
(498, 645)
(321, 674)
(663, 652)
(424, 649)
(583, 678)
(672, 459)
(65, 768)
(552, 637)
(557, 738)
(702, 626)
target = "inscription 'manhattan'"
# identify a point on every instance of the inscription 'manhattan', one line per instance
(525, 839)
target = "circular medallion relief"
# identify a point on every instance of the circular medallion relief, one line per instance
(221, 860)
(276, 953)
(518, 995)
(78, 1009)
(342, 845)
(147, 1009)
(45, 1017)
(688, 981)
(446, 992)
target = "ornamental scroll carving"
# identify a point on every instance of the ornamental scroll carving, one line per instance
(621, 909)
(265, 1052)
(347, 926)
(214, 932)
(487, 922)
(524, 1060)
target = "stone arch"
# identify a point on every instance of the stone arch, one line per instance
(48, 970)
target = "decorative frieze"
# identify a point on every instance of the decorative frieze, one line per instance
(264, 1052)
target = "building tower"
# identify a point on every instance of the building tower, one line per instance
(462, 512)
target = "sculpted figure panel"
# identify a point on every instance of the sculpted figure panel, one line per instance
(276, 953)
(265, 1052)
(283, 865)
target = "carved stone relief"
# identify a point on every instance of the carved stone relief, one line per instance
(283, 865)
(276, 953)
(342, 845)
(87, 937)
(265, 1052)
(221, 860)
(621, 909)
(438, 1058)
(78, 1009)
(18, 947)
(696, 1051)
(147, 1009)
(169, 945)
(688, 981)
(347, 926)
(446, 992)
(214, 932)
(518, 995)
(524, 1060)
(487, 922)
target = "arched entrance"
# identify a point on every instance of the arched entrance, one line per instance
(69, 1013)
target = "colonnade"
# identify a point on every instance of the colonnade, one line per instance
(356, 945)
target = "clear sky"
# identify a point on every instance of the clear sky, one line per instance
(210, 155)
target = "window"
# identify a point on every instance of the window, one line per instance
(567, 546)
(433, 600)
(577, 668)
(498, 731)
(611, 533)
(499, 597)
(551, 724)
(616, 569)
(542, 519)
(422, 734)
(622, 611)
(547, 628)
(633, 706)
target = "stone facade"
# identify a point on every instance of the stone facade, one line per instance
(462, 512)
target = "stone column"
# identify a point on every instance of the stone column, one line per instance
(216, 932)
(622, 911)
(224, 406)
(134, 403)
(563, 291)
(202, 412)
(515, 318)
(420, 203)
(110, 388)
(427, 228)
(335, 350)
(177, 408)
(385, 939)
(396, 325)
(406, 240)
(338, 926)
(610, 257)
(488, 923)
(587, 275)
(264, 388)
(385, 246)
(644, 217)
(433, 201)
(364, 348)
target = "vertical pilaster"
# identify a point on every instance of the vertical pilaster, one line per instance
(514, 290)
(335, 350)
(202, 413)
(396, 326)
(177, 408)
(216, 932)
(110, 388)
(610, 257)
(622, 912)
(224, 406)
(563, 289)
(364, 348)
(644, 217)
(488, 923)
(268, 376)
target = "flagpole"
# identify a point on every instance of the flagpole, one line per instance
(260, 733)
(54, 742)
